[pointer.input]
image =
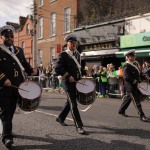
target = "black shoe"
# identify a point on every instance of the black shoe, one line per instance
(8, 143)
(61, 122)
(123, 114)
(144, 119)
(13, 135)
(81, 131)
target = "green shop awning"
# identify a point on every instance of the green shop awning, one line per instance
(140, 52)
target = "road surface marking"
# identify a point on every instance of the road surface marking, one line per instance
(51, 114)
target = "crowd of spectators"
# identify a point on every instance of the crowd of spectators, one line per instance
(109, 80)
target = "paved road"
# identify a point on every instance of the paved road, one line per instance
(107, 130)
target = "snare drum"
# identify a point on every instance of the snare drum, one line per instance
(86, 91)
(144, 88)
(29, 97)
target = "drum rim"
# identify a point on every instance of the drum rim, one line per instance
(141, 89)
(32, 82)
(79, 84)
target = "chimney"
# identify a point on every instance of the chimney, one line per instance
(22, 20)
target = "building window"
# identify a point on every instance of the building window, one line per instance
(53, 24)
(52, 54)
(31, 46)
(40, 3)
(52, 1)
(40, 27)
(23, 46)
(67, 13)
(40, 56)
(28, 29)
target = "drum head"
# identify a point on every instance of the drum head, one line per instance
(85, 86)
(144, 87)
(33, 90)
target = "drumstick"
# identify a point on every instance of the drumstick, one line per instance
(142, 88)
(81, 83)
(19, 88)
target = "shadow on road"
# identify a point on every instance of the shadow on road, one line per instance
(76, 144)
(144, 134)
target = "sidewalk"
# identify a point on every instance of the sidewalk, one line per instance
(57, 90)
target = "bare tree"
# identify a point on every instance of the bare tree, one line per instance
(106, 10)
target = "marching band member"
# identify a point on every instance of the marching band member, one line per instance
(10, 75)
(69, 67)
(132, 76)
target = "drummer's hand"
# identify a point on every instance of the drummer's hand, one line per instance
(1, 40)
(34, 71)
(7, 83)
(71, 79)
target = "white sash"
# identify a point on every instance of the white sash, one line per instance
(131, 63)
(15, 57)
(75, 60)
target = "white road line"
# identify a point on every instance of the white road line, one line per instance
(1, 128)
(51, 114)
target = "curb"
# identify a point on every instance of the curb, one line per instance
(50, 90)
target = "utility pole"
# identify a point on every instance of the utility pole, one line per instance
(34, 35)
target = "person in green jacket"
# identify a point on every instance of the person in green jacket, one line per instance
(102, 81)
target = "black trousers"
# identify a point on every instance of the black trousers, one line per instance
(8, 107)
(71, 104)
(132, 96)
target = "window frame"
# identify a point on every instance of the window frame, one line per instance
(40, 27)
(28, 31)
(23, 45)
(67, 19)
(40, 3)
(52, 24)
(51, 1)
(40, 56)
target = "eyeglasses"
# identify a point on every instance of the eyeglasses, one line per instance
(9, 36)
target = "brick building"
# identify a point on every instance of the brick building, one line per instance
(55, 19)
(23, 36)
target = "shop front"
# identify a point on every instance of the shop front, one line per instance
(100, 42)
(100, 53)
(140, 42)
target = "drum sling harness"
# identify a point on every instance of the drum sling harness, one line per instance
(75, 60)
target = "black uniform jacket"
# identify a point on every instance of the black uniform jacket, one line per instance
(9, 69)
(132, 77)
(66, 67)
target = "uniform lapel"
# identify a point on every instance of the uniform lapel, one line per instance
(16, 50)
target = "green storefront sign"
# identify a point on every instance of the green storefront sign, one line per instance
(135, 40)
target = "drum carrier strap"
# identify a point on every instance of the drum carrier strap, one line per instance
(75, 60)
(14, 56)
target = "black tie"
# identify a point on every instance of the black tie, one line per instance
(10, 49)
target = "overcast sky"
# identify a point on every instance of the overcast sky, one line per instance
(10, 10)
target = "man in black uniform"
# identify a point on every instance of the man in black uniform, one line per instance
(132, 76)
(68, 66)
(10, 75)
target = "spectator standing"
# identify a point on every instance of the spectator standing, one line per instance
(112, 81)
(42, 76)
(102, 81)
(95, 76)
(48, 74)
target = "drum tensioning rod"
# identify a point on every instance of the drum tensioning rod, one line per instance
(19, 88)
